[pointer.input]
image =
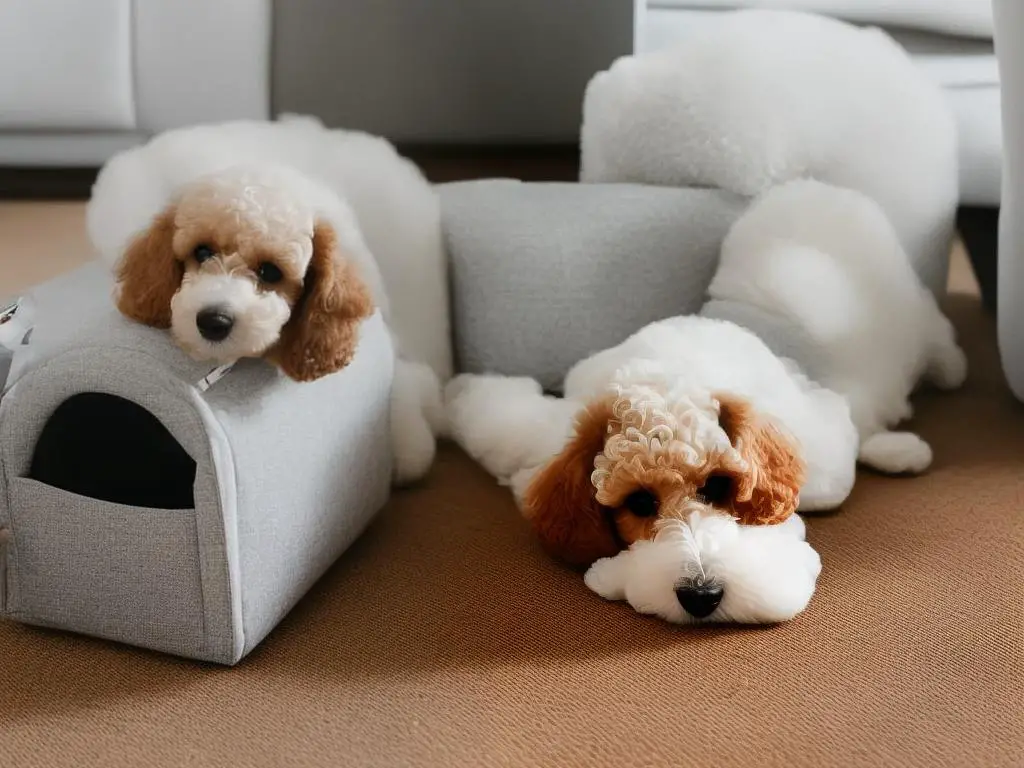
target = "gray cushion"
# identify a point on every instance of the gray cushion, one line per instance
(544, 274)
(285, 476)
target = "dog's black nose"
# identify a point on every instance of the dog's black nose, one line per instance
(214, 324)
(699, 600)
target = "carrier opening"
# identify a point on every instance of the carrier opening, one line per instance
(111, 449)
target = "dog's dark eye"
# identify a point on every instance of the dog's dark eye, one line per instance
(269, 273)
(642, 503)
(715, 489)
(202, 253)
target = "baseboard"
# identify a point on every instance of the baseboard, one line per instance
(439, 164)
(46, 183)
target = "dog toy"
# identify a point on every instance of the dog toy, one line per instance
(16, 321)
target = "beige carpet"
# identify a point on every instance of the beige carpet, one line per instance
(445, 638)
(39, 241)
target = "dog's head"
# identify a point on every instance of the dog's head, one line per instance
(241, 264)
(707, 567)
(644, 458)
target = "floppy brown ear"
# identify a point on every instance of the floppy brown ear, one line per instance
(560, 503)
(322, 333)
(149, 274)
(770, 491)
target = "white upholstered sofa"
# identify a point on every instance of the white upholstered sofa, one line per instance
(83, 79)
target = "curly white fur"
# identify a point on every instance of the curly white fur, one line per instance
(661, 425)
(702, 355)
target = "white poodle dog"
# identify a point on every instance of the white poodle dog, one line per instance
(674, 464)
(275, 240)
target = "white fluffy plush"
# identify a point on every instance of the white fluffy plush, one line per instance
(702, 356)
(762, 97)
(827, 261)
(271, 182)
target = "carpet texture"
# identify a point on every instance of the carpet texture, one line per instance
(446, 638)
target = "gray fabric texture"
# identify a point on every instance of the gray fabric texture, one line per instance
(72, 551)
(6, 357)
(545, 274)
(287, 476)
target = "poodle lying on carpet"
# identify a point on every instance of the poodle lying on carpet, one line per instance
(674, 464)
(275, 240)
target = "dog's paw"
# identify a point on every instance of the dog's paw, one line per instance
(810, 560)
(435, 412)
(489, 386)
(413, 447)
(896, 453)
(767, 579)
(418, 384)
(414, 453)
(949, 369)
(606, 578)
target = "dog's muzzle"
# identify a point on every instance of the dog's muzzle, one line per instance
(699, 598)
(214, 323)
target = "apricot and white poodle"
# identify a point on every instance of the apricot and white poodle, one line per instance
(674, 464)
(276, 240)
